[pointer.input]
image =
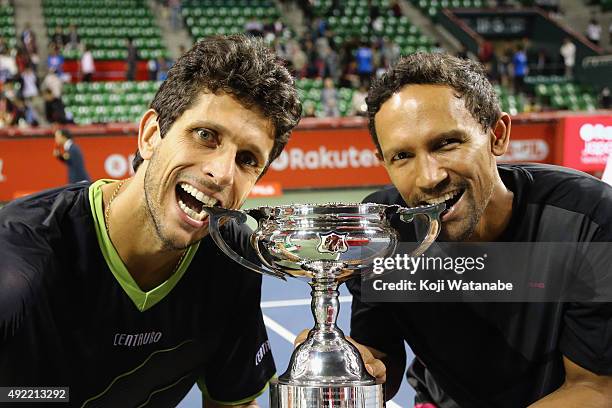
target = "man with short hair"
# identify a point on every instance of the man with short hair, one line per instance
(438, 129)
(70, 154)
(114, 289)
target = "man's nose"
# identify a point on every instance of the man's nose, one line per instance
(221, 167)
(429, 173)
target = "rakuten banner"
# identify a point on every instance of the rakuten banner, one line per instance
(324, 158)
(587, 142)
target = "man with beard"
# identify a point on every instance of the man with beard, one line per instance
(438, 129)
(114, 289)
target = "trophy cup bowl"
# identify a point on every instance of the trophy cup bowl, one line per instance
(324, 244)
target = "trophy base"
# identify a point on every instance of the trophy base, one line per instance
(337, 396)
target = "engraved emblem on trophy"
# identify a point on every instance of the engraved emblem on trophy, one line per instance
(324, 244)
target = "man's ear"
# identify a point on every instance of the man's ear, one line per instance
(500, 135)
(149, 134)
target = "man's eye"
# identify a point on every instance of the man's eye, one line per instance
(448, 144)
(247, 159)
(400, 156)
(205, 135)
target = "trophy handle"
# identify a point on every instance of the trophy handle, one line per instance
(432, 212)
(215, 215)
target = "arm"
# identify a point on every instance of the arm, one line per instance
(581, 389)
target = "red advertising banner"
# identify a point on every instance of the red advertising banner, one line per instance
(328, 158)
(316, 157)
(587, 141)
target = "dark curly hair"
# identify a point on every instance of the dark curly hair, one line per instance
(237, 65)
(466, 77)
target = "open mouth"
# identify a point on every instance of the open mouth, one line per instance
(191, 200)
(449, 199)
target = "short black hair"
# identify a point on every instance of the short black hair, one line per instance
(66, 133)
(240, 66)
(467, 78)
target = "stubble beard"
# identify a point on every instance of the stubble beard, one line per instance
(154, 211)
(474, 215)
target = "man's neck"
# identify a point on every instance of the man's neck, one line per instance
(497, 214)
(133, 235)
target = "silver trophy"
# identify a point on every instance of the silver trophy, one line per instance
(325, 245)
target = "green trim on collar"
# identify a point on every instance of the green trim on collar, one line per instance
(142, 300)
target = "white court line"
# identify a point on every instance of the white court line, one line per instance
(290, 337)
(297, 302)
(278, 329)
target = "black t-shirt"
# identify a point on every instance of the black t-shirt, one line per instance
(71, 315)
(503, 354)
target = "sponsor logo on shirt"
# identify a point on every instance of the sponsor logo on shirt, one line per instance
(135, 340)
(263, 349)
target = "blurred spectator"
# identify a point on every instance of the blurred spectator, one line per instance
(152, 69)
(53, 83)
(70, 154)
(605, 101)
(610, 33)
(29, 84)
(568, 52)
(8, 66)
(593, 31)
(55, 60)
(162, 69)
(55, 111)
(505, 67)
(395, 7)
(6, 111)
(329, 99)
(58, 39)
(131, 60)
(25, 115)
(391, 52)
(88, 66)
(28, 38)
(313, 62)
(3, 45)
(462, 53)
(349, 78)
(438, 48)
(254, 27)
(175, 14)
(331, 63)
(298, 59)
(72, 38)
(542, 63)
(364, 59)
(519, 62)
(358, 102)
(22, 59)
(309, 110)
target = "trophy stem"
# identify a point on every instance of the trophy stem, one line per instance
(325, 305)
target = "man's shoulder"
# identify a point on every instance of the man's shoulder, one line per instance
(30, 230)
(562, 186)
(567, 189)
(42, 207)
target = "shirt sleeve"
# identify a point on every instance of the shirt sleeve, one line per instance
(243, 365)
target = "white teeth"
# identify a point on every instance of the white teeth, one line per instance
(443, 198)
(198, 195)
(191, 213)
